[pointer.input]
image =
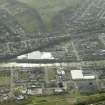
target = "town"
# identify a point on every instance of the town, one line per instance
(52, 52)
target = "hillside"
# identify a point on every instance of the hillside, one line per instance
(76, 27)
(49, 8)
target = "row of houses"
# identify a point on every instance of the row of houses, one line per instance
(32, 79)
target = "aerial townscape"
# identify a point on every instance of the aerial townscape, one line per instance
(52, 52)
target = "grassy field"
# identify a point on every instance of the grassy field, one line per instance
(4, 80)
(51, 73)
(68, 100)
(51, 100)
(61, 100)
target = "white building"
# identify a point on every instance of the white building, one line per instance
(84, 83)
(78, 74)
(36, 55)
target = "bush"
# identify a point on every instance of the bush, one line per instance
(90, 99)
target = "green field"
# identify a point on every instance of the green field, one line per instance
(96, 99)
(51, 100)
(4, 80)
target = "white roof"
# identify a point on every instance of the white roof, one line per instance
(58, 90)
(46, 55)
(37, 55)
(23, 65)
(76, 74)
(14, 64)
(61, 72)
(89, 77)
